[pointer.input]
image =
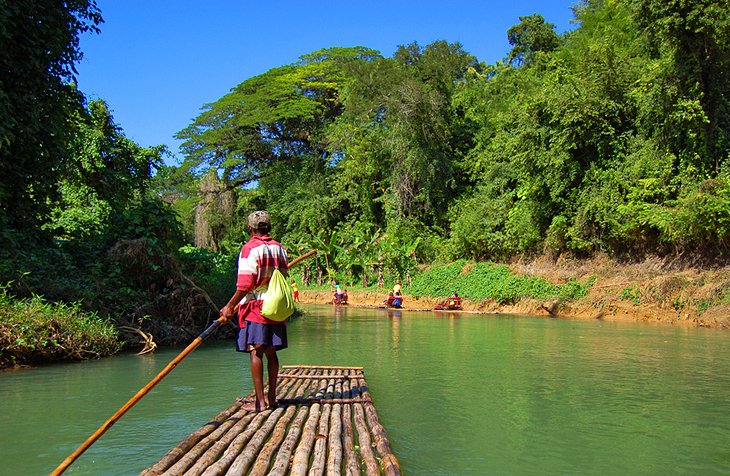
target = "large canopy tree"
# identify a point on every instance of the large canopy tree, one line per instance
(530, 36)
(400, 130)
(271, 131)
(276, 117)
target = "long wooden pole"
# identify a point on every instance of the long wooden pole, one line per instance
(138, 396)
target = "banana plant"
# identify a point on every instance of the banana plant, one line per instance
(302, 247)
(398, 257)
(358, 256)
(328, 246)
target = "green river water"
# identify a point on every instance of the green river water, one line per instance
(457, 394)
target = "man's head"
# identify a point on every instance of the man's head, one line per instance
(259, 222)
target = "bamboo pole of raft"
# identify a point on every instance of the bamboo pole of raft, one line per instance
(189, 442)
(334, 459)
(389, 463)
(312, 400)
(191, 456)
(320, 367)
(352, 465)
(277, 437)
(300, 463)
(281, 463)
(213, 453)
(236, 446)
(320, 444)
(363, 436)
(247, 457)
(314, 377)
(317, 467)
(138, 396)
(304, 388)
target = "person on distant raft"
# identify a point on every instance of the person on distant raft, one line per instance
(295, 290)
(338, 291)
(257, 335)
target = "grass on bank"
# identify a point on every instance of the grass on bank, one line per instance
(476, 281)
(491, 281)
(34, 331)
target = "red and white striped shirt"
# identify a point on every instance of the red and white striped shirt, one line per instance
(258, 259)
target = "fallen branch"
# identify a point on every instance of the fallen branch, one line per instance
(149, 344)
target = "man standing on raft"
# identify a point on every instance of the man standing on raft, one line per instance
(257, 335)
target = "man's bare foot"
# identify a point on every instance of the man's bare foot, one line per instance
(253, 406)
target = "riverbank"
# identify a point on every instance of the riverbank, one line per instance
(33, 331)
(654, 290)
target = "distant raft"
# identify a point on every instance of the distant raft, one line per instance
(325, 421)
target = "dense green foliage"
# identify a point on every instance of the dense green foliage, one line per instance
(40, 44)
(490, 281)
(76, 203)
(214, 272)
(612, 137)
(34, 331)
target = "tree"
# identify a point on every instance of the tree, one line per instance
(104, 173)
(39, 47)
(530, 36)
(276, 117)
(694, 38)
(403, 104)
(213, 212)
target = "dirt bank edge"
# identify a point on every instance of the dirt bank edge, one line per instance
(606, 308)
(650, 291)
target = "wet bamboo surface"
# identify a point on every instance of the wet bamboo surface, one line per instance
(325, 423)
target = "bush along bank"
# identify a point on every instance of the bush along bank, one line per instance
(34, 331)
(491, 281)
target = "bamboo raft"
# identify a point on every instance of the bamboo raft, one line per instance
(325, 421)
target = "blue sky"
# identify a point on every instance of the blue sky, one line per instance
(157, 62)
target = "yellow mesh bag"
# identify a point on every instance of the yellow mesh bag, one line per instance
(278, 298)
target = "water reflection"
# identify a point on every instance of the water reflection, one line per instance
(394, 313)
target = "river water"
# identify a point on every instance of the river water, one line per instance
(458, 394)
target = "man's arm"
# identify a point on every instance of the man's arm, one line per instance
(245, 281)
(229, 309)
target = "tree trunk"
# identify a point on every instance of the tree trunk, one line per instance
(211, 214)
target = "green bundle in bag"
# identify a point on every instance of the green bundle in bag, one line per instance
(278, 299)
